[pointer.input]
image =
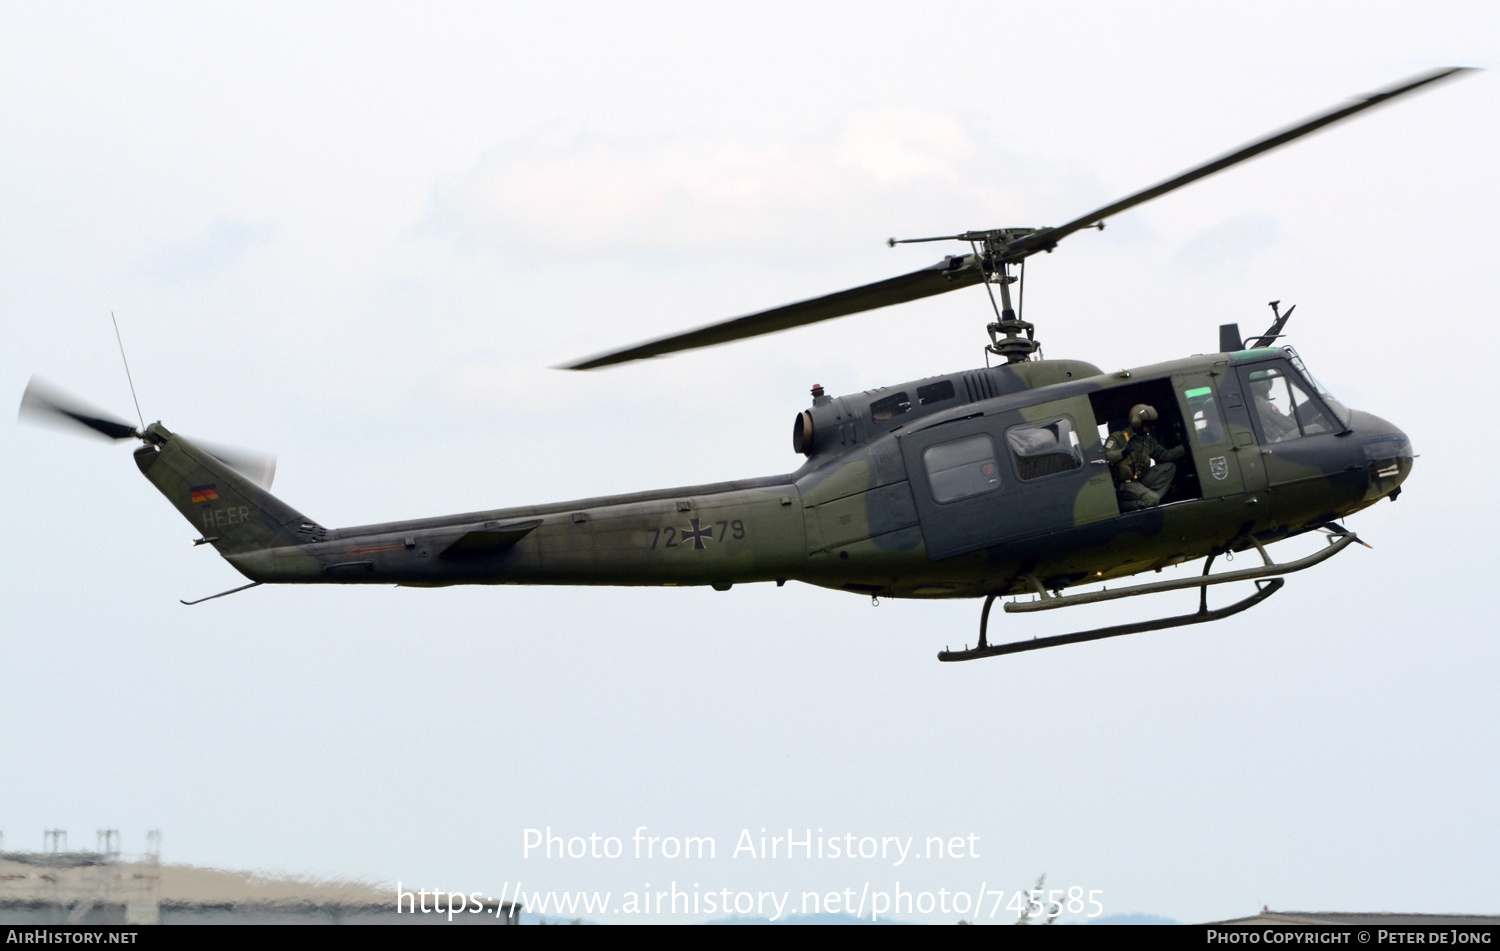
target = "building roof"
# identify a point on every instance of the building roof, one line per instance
(1368, 918)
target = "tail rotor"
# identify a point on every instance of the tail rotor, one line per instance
(47, 405)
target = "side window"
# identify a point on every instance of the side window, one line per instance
(1273, 405)
(1045, 449)
(889, 407)
(935, 392)
(962, 468)
(1314, 420)
(1205, 415)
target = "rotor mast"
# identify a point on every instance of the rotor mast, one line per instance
(993, 253)
(1005, 331)
(1012, 347)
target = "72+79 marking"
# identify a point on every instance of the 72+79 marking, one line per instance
(697, 533)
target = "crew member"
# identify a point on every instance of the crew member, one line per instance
(1274, 423)
(1131, 452)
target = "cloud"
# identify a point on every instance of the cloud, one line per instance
(1235, 240)
(871, 175)
(221, 246)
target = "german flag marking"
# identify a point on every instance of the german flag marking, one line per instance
(204, 493)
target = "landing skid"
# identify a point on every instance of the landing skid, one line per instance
(1265, 587)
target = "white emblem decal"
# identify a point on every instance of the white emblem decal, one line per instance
(1219, 466)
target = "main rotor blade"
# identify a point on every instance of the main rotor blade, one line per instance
(957, 272)
(1048, 237)
(49, 406)
(947, 275)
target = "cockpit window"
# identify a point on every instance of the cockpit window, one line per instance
(962, 468)
(1273, 406)
(1310, 414)
(1339, 409)
(889, 407)
(1282, 403)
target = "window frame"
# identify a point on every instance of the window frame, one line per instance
(934, 478)
(1075, 444)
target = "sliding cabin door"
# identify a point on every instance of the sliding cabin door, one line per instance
(989, 479)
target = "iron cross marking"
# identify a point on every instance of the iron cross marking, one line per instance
(698, 534)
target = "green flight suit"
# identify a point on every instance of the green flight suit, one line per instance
(1138, 483)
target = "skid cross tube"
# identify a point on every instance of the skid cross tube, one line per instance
(1263, 589)
(1049, 601)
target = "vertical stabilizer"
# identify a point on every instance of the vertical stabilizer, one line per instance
(233, 513)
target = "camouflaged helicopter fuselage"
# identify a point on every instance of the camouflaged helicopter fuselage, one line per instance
(872, 511)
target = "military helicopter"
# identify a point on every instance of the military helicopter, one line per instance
(986, 483)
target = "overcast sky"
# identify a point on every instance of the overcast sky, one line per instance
(358, 236)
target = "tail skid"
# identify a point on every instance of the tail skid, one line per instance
(243, 587)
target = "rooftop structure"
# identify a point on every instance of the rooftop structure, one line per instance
(103, 887)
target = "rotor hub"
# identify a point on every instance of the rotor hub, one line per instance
(1006, 340)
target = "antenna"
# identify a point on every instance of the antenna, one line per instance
(127, 371)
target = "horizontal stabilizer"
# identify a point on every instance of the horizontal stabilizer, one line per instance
(489, 541)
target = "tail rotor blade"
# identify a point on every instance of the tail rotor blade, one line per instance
(258, 467)
(47, 405)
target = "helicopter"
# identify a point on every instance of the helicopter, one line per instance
(987, 483)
